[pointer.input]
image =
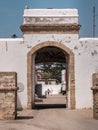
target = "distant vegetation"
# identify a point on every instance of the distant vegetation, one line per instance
(51, 71)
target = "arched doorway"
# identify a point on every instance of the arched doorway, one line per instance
(31, 72)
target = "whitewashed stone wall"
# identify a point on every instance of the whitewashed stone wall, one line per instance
(56, 89)
(13, 57)
(86, 63)
(32, 16)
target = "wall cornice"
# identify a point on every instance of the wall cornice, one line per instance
(50, 28)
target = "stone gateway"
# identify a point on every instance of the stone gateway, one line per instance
(53, 31)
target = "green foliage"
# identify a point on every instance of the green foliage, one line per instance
(51, 71)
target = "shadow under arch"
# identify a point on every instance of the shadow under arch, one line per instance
(30, 72)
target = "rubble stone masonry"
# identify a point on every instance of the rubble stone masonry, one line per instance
(8, 95)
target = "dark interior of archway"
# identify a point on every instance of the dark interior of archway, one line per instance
(50, 54)
(46, 55)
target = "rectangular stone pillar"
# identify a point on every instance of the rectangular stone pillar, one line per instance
(8, 95)
(95, 95)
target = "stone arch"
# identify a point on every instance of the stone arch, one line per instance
(30, 71)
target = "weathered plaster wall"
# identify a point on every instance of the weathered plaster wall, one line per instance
(13, 56)
(86, 63)
(34, 39)
(34, 16)
(13, 53)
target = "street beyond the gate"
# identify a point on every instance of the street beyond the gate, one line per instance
(52, 118)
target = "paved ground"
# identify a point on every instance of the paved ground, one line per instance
(52, 119)
(54, 101)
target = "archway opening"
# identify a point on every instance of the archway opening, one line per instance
(51, 52)
(51, 81)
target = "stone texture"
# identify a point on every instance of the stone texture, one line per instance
(29, 72)
(50, 28)
(13, 54)
(8, 95)
(95, 104)
(95, 95)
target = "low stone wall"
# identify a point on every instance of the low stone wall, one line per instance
(8, 95)
(95, 95)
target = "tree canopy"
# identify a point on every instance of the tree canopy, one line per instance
(51, 71)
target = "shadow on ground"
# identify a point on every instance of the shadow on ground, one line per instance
(24, 117)
(48, 106)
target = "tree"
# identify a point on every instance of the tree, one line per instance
(51, 71)
(14, 36)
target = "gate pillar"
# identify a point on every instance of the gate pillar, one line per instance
(95, 95)
(8, 95)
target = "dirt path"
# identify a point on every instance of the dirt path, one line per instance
(52, 119)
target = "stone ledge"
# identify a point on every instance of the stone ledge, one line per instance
(94, 88)
(50, 28)
(9, 89)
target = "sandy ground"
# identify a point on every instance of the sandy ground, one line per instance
(52, 118)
